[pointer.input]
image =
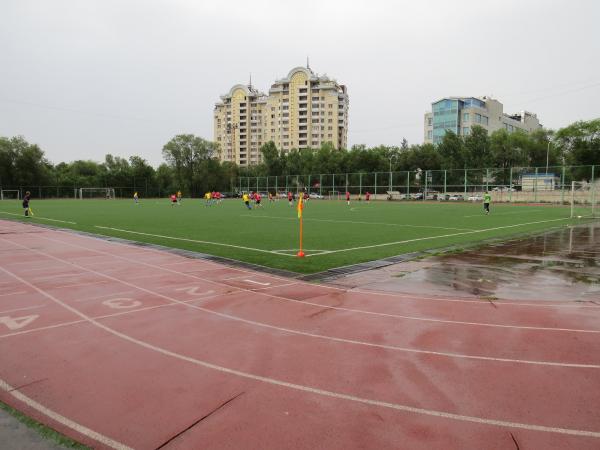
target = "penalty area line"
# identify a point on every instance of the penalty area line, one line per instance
(196, 241)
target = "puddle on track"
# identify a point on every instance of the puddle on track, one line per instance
(560, 265)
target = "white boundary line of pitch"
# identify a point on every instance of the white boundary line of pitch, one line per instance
(328, 252)
(277, 382)
(38, 217)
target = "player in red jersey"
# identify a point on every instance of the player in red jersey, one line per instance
(348, 197)
(368, 196)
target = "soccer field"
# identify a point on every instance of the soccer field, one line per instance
(335, 234)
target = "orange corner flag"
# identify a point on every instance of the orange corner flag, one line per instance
(300, 253)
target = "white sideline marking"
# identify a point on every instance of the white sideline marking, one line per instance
(62, 419)
(359, 222)
(440, 236)
(38, 217)
(423, 319)
(506, 213)
(191, 240)
(298, 387)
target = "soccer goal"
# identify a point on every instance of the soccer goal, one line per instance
(334, 195)
(584, 199)
(10, 194)
(95, 193)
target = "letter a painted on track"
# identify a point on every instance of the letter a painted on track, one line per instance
(15, 323)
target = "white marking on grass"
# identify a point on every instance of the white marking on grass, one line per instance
(191, 240)
(304, 388)
(38, 217)
(61, 419)
(402, 225)
(507, 213)
(427, 238)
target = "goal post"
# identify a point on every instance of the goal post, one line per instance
(584, 199)
(10, 194)
(334, 195)
(95, 193)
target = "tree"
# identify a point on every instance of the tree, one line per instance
(188, 155)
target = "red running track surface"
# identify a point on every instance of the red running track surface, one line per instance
(120, 346)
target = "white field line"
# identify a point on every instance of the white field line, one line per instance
(359, 222)
(13, 293)
(38, 217)
(304, 302)
(507, 213)
(366, 291)
(303, 388)
(191, 240)
(439, 236)
(62, 419)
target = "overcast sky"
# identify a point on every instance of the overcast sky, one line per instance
(84, 78)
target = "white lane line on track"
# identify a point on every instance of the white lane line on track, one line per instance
(191, 240)
(38, 217)
(366, 291)
(13, 293)
(357, 222)
(306, 302)
(325, 337)
(85, 431)
(26, 308)
(308, 389)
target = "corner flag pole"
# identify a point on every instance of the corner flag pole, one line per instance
(300, 253)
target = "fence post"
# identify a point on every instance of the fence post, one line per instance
(297, 183)
(333, 183)
(375, 184)
(487, 179)
(510, 185)
(286, 184)
(276, 186)
(407, 184)
(347, 190)
(535, 193)
(445, 186)
(426, 184)
(360, 184)
(320, 184)
(267, 183)
(257, 184)
(593, 199)
(562, 186)
(465, 181)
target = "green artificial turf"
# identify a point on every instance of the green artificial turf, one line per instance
(328, 226)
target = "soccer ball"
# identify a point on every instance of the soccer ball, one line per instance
(579, 217)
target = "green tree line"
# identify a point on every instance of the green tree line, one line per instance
(191, 163)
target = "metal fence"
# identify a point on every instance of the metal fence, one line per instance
(50, 192)
(511, 184)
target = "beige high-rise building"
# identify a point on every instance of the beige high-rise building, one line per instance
(459, 114)
(302, 110)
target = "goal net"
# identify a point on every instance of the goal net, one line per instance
(334, 195)
(95, 193)
(584, 199)
(10, 194)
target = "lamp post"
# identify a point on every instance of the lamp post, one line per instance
(391, 157)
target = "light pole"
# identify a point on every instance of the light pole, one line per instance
(391, 157)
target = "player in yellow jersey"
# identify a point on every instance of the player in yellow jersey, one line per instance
(135, 198)
(246, 199)
(179, 195)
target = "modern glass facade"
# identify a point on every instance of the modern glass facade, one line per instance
(446, 115)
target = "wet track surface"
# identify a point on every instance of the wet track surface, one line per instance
(559, 265)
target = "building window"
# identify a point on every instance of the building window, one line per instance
(465, 117)
(484, 120)
(466, 131)
(330, 120)
(331, 113)
(429, 134)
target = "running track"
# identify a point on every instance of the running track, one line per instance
(120, 346)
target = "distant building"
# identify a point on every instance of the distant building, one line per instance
(302, 110)
(459, 114)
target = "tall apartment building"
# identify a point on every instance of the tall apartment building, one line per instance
(302, 110)
(459, 114)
